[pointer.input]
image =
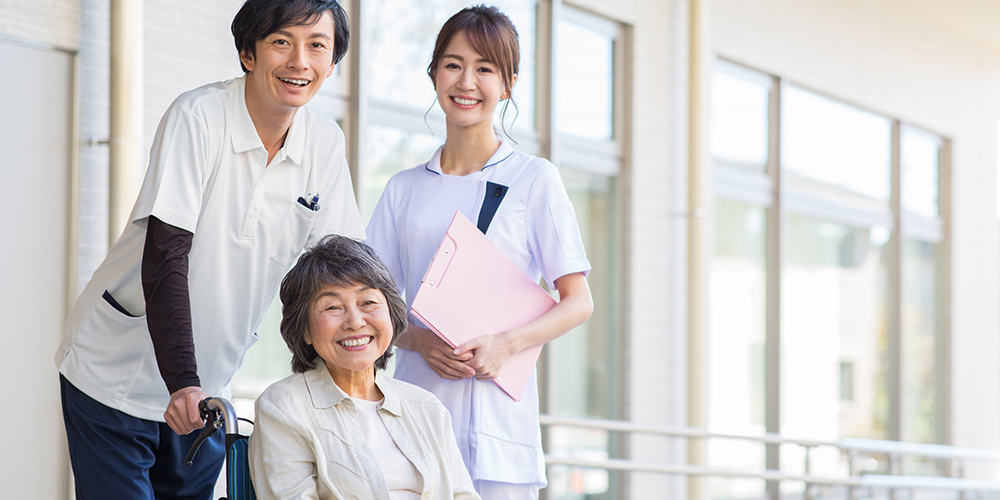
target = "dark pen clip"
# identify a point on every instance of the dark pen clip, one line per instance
(311, 205)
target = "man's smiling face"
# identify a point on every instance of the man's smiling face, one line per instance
(291, 64)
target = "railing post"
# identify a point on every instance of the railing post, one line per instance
(894, 470)
(852, 458)
(960, 473)
(809, 493)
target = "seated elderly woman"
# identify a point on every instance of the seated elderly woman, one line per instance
(338, 428)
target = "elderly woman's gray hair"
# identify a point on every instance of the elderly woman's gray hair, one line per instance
(338, 261)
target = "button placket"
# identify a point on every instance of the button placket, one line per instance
(256, 202)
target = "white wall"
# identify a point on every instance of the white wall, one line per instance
(884, 57)
(35, 137)
(33, 293)
(52, 22)
(187, 44)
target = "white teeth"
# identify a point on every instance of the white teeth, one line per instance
(356, 342)
(300, 83)
(464, 102)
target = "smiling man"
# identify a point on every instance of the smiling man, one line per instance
(241, 178)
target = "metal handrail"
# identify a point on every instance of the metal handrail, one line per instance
(850, 447)
(917, 449)
(847, 444)
(674, 431)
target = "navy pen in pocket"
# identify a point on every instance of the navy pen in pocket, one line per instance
(312, 204)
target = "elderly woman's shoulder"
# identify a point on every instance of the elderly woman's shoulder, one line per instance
(285, 390)
(413, 394)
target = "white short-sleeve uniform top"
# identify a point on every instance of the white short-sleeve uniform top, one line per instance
(208, 175)
(535, 225)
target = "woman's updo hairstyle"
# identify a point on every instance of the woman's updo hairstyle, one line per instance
(492, 35)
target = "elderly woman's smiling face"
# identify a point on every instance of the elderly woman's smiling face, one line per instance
(349, 326)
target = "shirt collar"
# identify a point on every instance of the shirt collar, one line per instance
(327, 394)
(244, 133)
(502, 153)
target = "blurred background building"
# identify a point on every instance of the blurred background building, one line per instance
(790, 206)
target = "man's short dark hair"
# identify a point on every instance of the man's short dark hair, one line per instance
(338, 261)
(259, 18)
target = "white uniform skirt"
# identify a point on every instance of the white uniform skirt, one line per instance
(499, 438)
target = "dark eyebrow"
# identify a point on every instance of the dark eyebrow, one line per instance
(331, 293)
(318, 34)
(460, 58)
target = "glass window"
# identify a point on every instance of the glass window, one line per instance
(919, 338)
(737, 302)
(522, 14)
(846, 381)
(739, 122)
(399, 36)
(584, 82)
(584, 361)
(834, 151)
(587, 389)
(268, 361)
(388, 151)
(833, 312)
(834, 278)
(919, 166)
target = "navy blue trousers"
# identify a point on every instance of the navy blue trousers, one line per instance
(115, 455)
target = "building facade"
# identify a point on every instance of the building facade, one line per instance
(852, 280)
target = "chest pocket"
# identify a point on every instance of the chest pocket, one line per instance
(343, 468)
(293, 234)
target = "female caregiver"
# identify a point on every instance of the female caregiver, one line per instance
(474, 66)
(337, 428)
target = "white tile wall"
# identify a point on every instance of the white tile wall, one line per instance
(95, 72)
(52, 22)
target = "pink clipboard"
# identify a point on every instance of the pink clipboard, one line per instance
(472, 288)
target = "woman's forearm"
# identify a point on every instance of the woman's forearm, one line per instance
(574, 308)
(490, 351)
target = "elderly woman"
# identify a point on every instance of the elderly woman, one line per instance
(337, 428)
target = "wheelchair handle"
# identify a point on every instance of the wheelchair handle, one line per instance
(217, 413)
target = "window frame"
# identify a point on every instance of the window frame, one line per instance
(768, 190)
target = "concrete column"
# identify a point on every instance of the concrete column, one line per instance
(126, 111)
(699, 228)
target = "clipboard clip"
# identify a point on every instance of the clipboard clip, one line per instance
(439, 264)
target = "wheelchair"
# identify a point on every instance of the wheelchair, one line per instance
(219, 413)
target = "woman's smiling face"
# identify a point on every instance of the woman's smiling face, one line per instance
(468, 86)
(349, 326)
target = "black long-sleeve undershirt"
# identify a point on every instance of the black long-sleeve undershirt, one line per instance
(168, 302)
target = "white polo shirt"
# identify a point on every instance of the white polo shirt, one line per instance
(535, 225)
(207, 175)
